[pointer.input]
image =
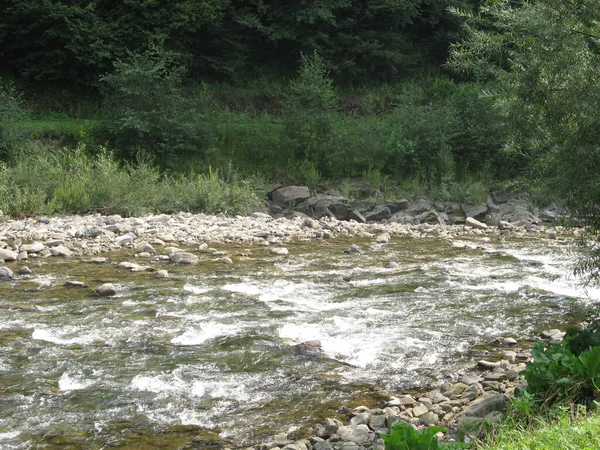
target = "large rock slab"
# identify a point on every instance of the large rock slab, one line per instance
(485, 405)
(379, 213)
(290, 195)
(359, 434)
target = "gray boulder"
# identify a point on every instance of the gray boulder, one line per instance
(378, 213)
(471, 222)
(477, 212)
(290, 195)
(106, 290)
(419, 207)
(8, 255)
(432, 217)
(485, 405)
(357, 216)
(34, 247)
(5, 274)
(499, 197)
(359, 434)
(60, 250)
(403, 218)
(184, 258)
(398, 205)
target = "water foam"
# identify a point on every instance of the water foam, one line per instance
(68, 382)
(55, 336)
(205, 332)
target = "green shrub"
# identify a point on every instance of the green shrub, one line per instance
(557, 375)
(12, 136)
(404, 436)
(151, 115)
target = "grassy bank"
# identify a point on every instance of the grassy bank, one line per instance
(562, 432)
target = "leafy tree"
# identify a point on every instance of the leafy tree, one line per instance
(151, 116)
(545, 57)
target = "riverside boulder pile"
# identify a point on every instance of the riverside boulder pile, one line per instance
(93, 234)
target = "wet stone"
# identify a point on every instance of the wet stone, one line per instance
(106, 290)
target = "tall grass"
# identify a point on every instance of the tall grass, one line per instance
(46, 181)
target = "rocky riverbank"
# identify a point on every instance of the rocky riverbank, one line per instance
(462, 405)
(157, 242)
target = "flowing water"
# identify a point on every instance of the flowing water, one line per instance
(208, 355)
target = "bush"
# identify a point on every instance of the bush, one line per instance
(11, 113)
(151, 115)
(404, 436)
(557, 375)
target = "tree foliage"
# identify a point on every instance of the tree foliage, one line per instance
(68, 42)
(544, 56)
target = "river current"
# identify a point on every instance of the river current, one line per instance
(208, 357)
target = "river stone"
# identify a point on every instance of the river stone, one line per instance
(493, 385)
(357, 216)
(184, 258)
(34, 247)
(145, 247)
(8, 255)
(106, 290)
(60, 250)
(487, 365)
(436, 396)
(486, 404)
(509, 341)
(99, 260)
(397, 205)
(456, 389)
(469, 379)
(495, 376)
(359, 434)
(419, 207)
(512, 374)
(322, 446)
(470, 222)
(403, 400)
(419, 409)
(326, 430)
(349, 446)
(377, 422)
(353, 249)
(25, 271)
(6, 274)
(124, 240)
(477, 212)
(77, 284)
(429, 419)
(383, 238)
(378, 213)
(290, 195)
(295, 446)
(360, 419)
(281, 251)
(127, 265)
(552, 334)
(161, 274)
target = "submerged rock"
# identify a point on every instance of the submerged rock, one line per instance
(184, 258)
(106, 290)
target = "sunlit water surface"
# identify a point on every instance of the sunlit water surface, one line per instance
(207, 356)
